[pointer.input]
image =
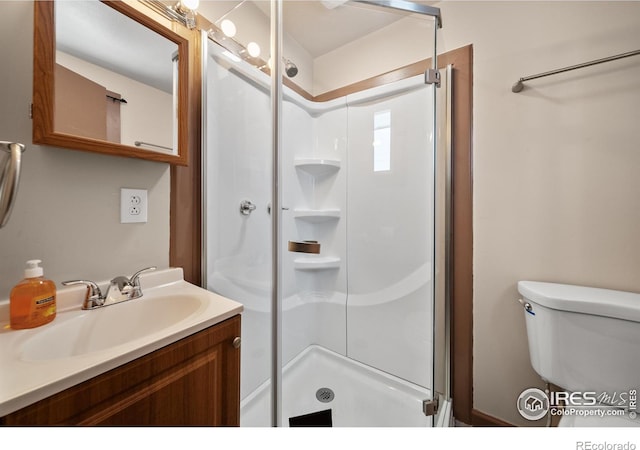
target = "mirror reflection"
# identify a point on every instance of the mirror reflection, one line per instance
(115, 79)
(327, 45)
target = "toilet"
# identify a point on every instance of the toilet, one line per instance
(586, 341)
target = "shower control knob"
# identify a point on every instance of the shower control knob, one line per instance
(236, 342)
(246, 207)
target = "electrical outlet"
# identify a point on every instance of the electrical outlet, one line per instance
(133, 205)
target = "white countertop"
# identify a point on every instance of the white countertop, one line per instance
(23, 381)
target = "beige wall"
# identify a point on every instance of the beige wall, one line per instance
(67, 210)
(405, 41)
(556, 167)
(148, 114)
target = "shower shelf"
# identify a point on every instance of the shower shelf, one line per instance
(317, 215)
(324, 263)
(318, 166)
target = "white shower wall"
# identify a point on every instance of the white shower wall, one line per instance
(368, 294)
(390, 230)
(314, 298)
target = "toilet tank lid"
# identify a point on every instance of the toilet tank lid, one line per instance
(582, 299)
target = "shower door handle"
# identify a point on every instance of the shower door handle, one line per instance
(284, 208)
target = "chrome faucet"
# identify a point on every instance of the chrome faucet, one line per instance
(93, 299)
(120, 289)
(123, 288)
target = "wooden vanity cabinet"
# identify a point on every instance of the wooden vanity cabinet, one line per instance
(195, 381)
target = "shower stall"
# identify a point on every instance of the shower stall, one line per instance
(325, 208)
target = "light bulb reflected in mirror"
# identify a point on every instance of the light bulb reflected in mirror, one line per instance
(190, 4)
(253, 49)
(228, 28)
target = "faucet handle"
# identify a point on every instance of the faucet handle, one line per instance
(120, 282)
(134, 280)
(93, 298)
(92, 288)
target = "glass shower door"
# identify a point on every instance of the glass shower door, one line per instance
(237, 185)
(357, 179)
(349, 129)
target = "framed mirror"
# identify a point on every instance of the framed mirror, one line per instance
(109, 79)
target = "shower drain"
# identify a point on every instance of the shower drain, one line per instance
(325, 395)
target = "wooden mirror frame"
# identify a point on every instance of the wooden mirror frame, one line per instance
(44, 57)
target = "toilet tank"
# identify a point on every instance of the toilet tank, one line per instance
(583, 339)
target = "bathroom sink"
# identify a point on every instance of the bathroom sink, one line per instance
(103, 328)
(81, 344)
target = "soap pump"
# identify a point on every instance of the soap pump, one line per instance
(32, 300)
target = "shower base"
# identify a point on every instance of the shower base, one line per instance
(358, 395)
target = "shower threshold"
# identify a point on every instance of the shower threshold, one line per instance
(358, 395)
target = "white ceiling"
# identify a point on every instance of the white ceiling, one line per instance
(320, 30)
(315, 27)
(96, 33)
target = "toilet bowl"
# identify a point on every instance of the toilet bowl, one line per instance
(586, 341)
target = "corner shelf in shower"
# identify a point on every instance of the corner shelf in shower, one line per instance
(317, 215)
(318, 166)
(322, 263)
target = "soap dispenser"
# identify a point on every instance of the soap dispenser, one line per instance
(33, 300)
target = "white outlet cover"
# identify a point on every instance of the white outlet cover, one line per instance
(133, 205)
